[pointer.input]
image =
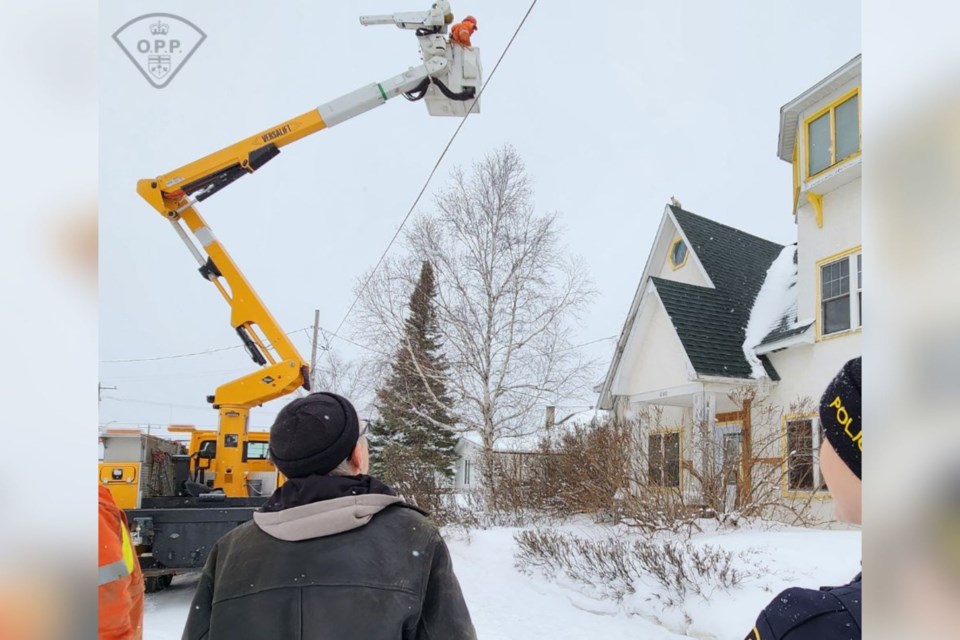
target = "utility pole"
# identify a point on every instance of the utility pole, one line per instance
(100, 389)
(313, 354)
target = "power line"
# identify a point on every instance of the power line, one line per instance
(188, 407)
(585, 344)
(305, 330)
(175, 435)
(433, 171)
(189, 355)
(327, 332)
(180, 376)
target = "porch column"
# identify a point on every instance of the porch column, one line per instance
(747, 460)
(701, 436)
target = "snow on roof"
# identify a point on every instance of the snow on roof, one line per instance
(472, 437)
(774, 301)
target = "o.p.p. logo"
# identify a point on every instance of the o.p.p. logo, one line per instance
(159, 44)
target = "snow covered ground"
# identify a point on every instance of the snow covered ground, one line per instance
(506, 604)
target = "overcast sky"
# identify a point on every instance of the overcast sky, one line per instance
(613, 106)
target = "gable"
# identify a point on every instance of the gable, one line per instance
(708, 300)
(654, 357)
(735, 261)
(689, 269)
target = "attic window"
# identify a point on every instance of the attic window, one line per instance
(833, 134)
(678, 253)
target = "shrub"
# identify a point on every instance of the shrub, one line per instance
(615, 566)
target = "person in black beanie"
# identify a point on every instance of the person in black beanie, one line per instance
(830, 613)
(334, 553)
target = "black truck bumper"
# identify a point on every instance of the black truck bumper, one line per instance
(174, 535)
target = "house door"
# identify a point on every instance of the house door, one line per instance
(731, 468)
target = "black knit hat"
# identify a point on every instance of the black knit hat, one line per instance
(840, 415)
(312, 435)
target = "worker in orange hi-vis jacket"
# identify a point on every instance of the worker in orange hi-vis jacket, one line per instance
(461, 32)
(120, 578)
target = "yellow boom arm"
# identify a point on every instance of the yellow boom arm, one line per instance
(175, 194)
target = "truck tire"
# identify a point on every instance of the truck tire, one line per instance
(153, 584)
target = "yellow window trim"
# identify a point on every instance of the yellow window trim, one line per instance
(785, 490)
(686, 254)
(840, 334)
(830, 108)
(818, 292)
(728, 422)
(796, 172)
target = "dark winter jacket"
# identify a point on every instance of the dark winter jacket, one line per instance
(330, 557)
(832, 613)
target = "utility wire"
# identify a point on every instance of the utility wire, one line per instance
(432, 172)
(305, 330)
(331, 334)
(187, 407)
(585, 344)
(190, 355)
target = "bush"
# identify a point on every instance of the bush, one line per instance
(580, 471)
(615, 566)
(471, 510)
(600, 470)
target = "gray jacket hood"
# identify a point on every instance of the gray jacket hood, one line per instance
(323, 518)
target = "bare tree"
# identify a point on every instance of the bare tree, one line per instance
(507, 297)
(352, 379)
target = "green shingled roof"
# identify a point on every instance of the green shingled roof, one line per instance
(786, 329)
(711, 322)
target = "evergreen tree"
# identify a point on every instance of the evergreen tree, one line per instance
(413, 440)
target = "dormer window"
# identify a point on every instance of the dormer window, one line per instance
(833, 134)
(841, 293)
(678, 253)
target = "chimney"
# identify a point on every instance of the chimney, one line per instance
(551, 417)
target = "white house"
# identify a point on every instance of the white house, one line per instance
(512, 450)
(719, 310)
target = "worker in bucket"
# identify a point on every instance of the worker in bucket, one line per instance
(461, 31)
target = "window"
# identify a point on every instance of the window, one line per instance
(678, 253)
(466, 472)
(255, 450)
(835, 296)
(847, 117)
(663, 459)
(803, 455)
(818, 132)
(859, 289)
(833, 135)
(839, 309)
(208, 449)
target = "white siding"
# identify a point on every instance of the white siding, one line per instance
(654, 358)
(689, 273)
(840, 232)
